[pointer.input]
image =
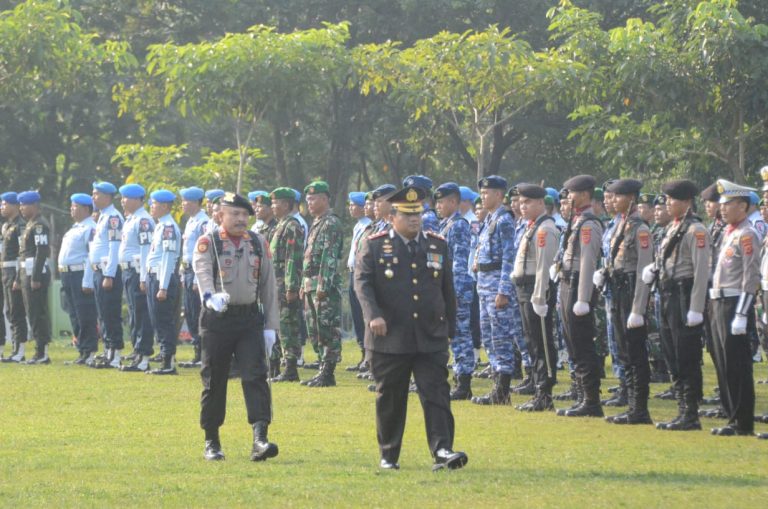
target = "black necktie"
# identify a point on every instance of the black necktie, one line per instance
(412, 248)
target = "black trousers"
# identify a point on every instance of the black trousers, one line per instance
(238, 331)
(733, 362)
(14, 307)
(541, 348)
(36, 303)
(579, 332)
(632, 343)
(192, 305)
(474, 319)
(142, 334)
(164, 314)
(681, 344)
(109, 304)
(82, 311)
(357, 311)
(392, 374)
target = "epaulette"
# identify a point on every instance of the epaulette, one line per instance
(378, 235)
(436, 235)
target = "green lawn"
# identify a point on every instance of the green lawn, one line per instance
(72, 436)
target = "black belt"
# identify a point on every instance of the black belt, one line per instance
(570, 275)
(669, 285)
(241, 309)
(623, 276)
(524, 280)
(488, 267)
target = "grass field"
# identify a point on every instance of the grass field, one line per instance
(77, 437)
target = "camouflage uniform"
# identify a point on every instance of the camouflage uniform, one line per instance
(287, 246)
(268, 229)
(321, 260)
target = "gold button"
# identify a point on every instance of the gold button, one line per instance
(413, 265)
(415, 315)
(415, 281)
(415, 297)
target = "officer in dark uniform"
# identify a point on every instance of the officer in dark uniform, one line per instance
(35, 273)
(240, 317)
(12, 230)
(407, 336)
(429, 219)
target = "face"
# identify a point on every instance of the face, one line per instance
(101, 200)
(382, 209)
(565, 208)
(215, 213)
(234, 220)
(734, 211)
(660, 214)
(158, 210)
(491, 198)
(356, 211)
(446, 207)
(317, 204)
(190, 207)
(407, 225)
(711, 208)
(514, 204)
(263, 211)
(209, 207)
(646, 212)
(480, 212)
(369, 205)
(608, 203)
(531, 208)
(29, 211)
(580, 199)
(130, 205)
(8, 210)
(621, 202)
(676, 208)
(79, 212)
(281, 207)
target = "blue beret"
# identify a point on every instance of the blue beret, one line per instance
(447, 189)
(255, 194)
(132, 191)
(29, 197)
(754, 199)
(493, 182)
(554, 193)
(383, 190)
(357, 198)
(105, 187)
(192, 193)
(212, 194)
(82, 199)
(10, 197)
(467, 193)
(163, 196)
(298, 194)
(418, 181)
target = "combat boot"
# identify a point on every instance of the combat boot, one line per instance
(579, 399)
(274, 368)
(590, 407)
(525, 387)
(291, 374)
(690, 418)
(102, 361)
(196, 360)
(356, 367)
(139, 365)
(262, 448)
(499, 394)
(541, 402)
(19, 355)
(463, 389)
(487, 372)
(572, 392)
(313, 379)
(327, 377)
(667, 395)
(40, 357)
(212, 451)
(157, 358)
(167, 368)
(619, 398)
(638, 403)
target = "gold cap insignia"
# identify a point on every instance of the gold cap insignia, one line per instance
(412, 195)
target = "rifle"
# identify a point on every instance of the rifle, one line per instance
(661, 261)
(615, 249)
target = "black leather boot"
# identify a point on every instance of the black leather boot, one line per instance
(590, 407)
(525, 387)
(579, 399)
(291, 374)
(195, 362)
(262, 448)
(572, 392)
(212, 451)
(499, 394)
(619, 398)
(463, 389)
(167, 368)
(690, 418)
(327, 377)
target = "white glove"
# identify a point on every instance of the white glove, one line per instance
(739, 325)
(540, 309)
(218, 302)
(764, 318)
(634, 321)
(598, 278)
(581, 308)
(649, 273)
(269, 340)
(553, 272)
(692, 319)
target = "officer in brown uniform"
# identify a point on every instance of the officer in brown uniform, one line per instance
(682, 281)
(536, 293)
(12, 230)
(240, 316)
(404, 281)
(736, 280)
(582, 244)
(631, 251)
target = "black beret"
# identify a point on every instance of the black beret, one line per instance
(607, 184)
(513, 192)
(661, 199)
(235, 200)
(710, 193)
(625, 186)
(382, 191)
(580, 183)
(492, 182)
(647, 199)
(531, 191)
(680, 189)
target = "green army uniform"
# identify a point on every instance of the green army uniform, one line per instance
(34, 251)
(322, 257)
(267, 229)
(287, 246)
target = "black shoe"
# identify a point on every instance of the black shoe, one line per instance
(570, 394)
(762, 436)
(585, 410)
(213, 451)
(714, 400)
(132, 357)
(156, 358)
(712, 413)
(619, 398)
(312, 365)
(326, 376)
(730, 431)
(38, 360)
(762, 418)
(263, 449)
(311, 380)
(388, 465)
(498, 395)
(668, 395)
(526, 387)
(541, 403)
(638, 417)
(136, 366)
(686, 423)
(446, 458)
(289, 375)
(371, 387)
(167, 368)
(463, 389)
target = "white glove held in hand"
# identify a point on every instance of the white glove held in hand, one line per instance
(269, 340)
(218, 302)
(634, 321)
(649, 273)
(581, 308)
(739, 325)
(540, 309)
(553, 272)
(598, 278)
(692, 319)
